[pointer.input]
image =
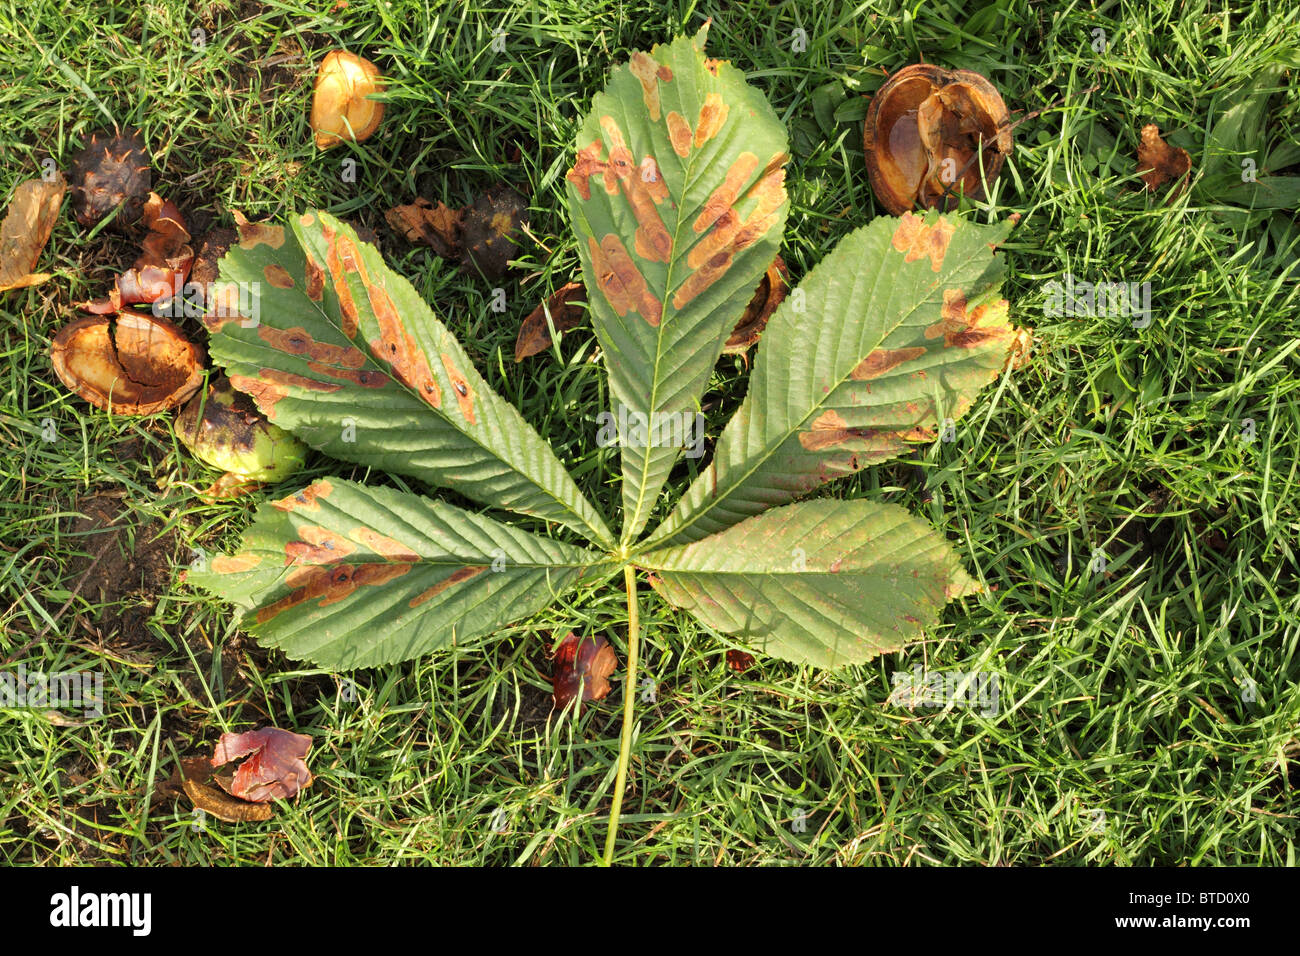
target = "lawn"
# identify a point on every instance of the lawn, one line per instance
(1129, 496)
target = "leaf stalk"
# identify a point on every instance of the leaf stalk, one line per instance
(629, 699)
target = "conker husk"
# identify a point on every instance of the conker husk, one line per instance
(923, 131)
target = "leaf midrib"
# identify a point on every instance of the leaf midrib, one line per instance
(630, 520)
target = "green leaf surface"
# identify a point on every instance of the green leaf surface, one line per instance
(819, 582)
(893, 332)
(677, 197)
(349, 576)
(342, 351)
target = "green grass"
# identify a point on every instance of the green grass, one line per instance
(1122, 734)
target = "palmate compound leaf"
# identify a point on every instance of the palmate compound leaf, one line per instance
(822, 582)
(894, 331)
(341, 351)
(677, 198)
(347, 576)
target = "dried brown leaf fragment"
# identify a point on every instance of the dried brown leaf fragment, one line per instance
(26, 229)
(582, 664)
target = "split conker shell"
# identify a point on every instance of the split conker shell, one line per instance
(923, 129)
(144, 365)
(341, 109)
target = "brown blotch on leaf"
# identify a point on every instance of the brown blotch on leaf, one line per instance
(1158, 162)
(962, 329)
(883, 360)
(365, 377)
(383, 545)
(235, 563)
(343, 259)
(587, 164)
(398, 348)
(711, 257)
(647, 71)
(620, 164)
(264, 394)
(317, 545)
(278, 276)
(306, 500)
(254, 234)
(26, 229)
(535, 337)
(621, 281)
(582, 663)
(924, 132)
(331, 583)
(919, 240)
(830, 430)
(456, 577)
(679, 134)
(722, 199)
(272, 385)
(275, 768)
(952, 315)
(460, 386)
(315, 278)
(137, 365)
(642, 185)
(275, 376)
(713, 114)
(297, 341)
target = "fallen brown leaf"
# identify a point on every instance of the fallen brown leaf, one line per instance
(535, 334)
(276, 767)
(739, 661)
(26, 229)
(434, 225)
(480, 236)
(1158, 162)
(585, 663)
